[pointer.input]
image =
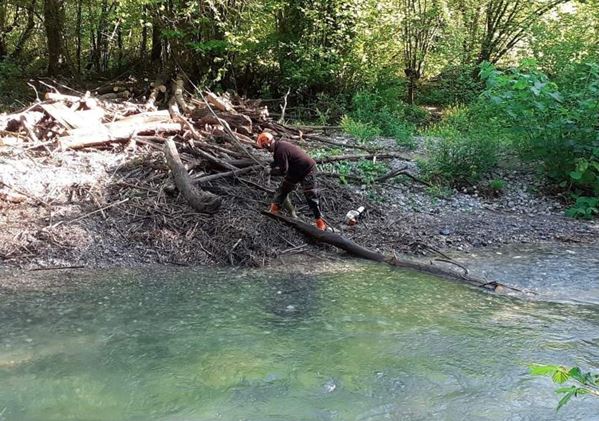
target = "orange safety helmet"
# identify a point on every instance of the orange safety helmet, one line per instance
(264, 140)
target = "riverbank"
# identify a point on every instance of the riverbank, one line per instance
(89, 208)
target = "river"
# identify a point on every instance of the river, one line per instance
(349, 341)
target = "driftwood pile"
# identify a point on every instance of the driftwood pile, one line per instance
(200, 146)
(206, 144)
(215, 134)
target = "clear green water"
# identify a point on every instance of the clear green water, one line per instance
(364, 342)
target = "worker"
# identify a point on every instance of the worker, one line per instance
(296, 166)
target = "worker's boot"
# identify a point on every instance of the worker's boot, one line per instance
(275, 208)
(320, 224)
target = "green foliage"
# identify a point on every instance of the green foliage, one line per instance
(522, 110)
(553, 128)
(558, 41)
(365, 171)
(330, 108)
(458, 160)
(497, 185)
(452, 86)
(460, 151)
(344, 169)
(369, 171)
(13, 85)
(584, 208)
(382, 107)
(364, 132)
(325, 152)
(583, 383)
(439, 192)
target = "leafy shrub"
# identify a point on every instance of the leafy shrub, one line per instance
(383, 108)
(344, 170)
(461, 150)
(370, 171)
(581, 383)
(330, 109)
(497, 185)
(584, 208)
(13, 85)
(453, 85)
(492, 188)
(439, 192)
(362, 131)
(522, 110)
(457, 159)
(553, 128)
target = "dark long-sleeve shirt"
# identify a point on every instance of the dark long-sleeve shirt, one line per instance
(292, 161)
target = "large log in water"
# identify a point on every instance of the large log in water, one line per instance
(359, 251)
(198, 199)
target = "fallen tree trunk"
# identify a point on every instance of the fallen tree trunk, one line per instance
(358, 157)
(113, 132)
(198, 199)
(327, 141)
(204, 116)
(359, 251)
(218, 102)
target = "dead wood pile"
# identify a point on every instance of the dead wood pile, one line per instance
(200, 146)
(192, 186)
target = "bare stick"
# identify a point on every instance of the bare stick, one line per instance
(284, 107)
(120, 202)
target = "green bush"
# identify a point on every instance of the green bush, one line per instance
(552, 127)
(463, 147)
(13, 86)
(453, 85)
(383, 108)
(330, 109)
(364, 132)
(522, 110)
(370, 171)
(457, 159)
(584, 208)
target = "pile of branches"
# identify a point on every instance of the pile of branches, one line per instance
(195, 184)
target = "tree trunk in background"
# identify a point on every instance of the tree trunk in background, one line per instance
(78, 30)
(143, 48)
(156, 55)
(54, 24)
(507, 23)
(3, 51)
(27, 32)
(412, 86)
(101, 37)
(291, 26)
(119, 41)
(421, 22)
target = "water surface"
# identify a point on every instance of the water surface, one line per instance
(357, 342)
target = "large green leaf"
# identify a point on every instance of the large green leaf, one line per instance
(575, 175)
(564, 400)
(560, 376)
(543, 370)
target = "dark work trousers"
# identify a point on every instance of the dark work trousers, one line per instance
(310, 192)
